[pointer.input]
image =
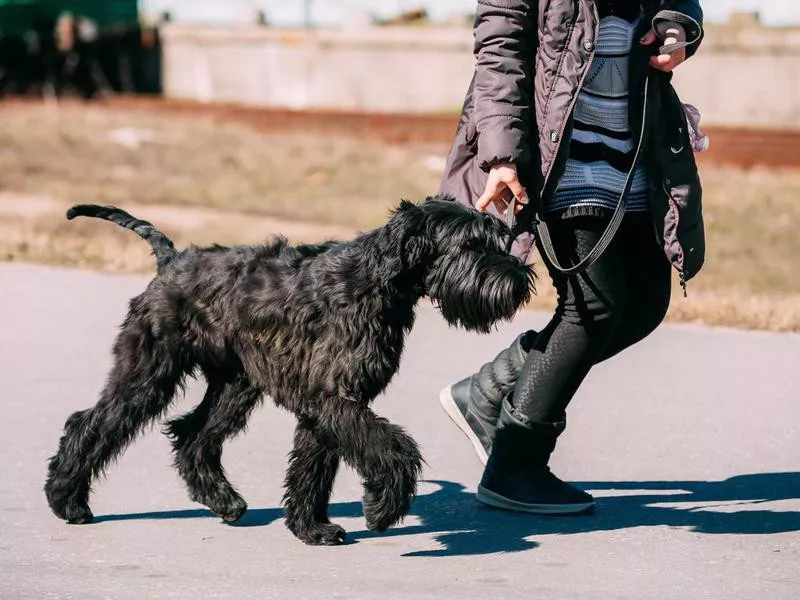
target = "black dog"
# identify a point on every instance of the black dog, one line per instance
(320, 328)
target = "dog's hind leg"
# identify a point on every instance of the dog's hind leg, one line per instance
(140, 386)
(197, 440)
(386, 457)
(313, 463)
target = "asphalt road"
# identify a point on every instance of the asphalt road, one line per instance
(691, 444)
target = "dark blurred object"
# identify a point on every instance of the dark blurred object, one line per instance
(89, 48)
(417, 15)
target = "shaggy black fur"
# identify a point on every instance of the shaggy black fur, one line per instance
(319, 328)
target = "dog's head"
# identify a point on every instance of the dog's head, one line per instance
(461, 257)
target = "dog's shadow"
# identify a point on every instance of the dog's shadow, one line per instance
(461, 526)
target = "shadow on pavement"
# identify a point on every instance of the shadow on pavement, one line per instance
(462, 526)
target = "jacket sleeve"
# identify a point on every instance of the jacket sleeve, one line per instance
(505, 52)
(688, 13)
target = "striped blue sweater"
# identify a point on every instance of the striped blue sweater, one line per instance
(601, 149)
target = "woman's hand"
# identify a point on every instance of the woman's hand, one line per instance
(502, 185)
(671, 33)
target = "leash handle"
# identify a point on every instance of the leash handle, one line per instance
(681, 19)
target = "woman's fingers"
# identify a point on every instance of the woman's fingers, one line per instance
(668, 62)
(672, 33)
(502, 185)
(489, 193)
(518, 191)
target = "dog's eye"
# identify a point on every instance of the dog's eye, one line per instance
(474, 243)
(481, 244)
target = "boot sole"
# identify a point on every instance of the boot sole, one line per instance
(494, 500)
(450, 407)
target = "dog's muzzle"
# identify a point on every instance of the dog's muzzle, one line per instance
(475, 289)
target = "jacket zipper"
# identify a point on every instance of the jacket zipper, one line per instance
(574, 100)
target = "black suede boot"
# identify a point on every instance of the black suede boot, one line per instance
(517, 476)
(474, 403)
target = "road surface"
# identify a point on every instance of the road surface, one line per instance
(691, 444)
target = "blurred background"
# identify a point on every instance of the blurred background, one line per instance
(234, 120)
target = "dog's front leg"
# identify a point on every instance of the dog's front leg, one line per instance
(309, 480)
(386, 457)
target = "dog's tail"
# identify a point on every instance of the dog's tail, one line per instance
(163, 248)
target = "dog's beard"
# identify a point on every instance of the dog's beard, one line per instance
(475, 289)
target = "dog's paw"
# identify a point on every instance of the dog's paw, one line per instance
(77, 514)
(383, 508)
(68, 506)
(231, 512)
(380, 521)
(321, 534)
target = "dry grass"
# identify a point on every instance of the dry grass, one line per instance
(35, 230)
(203, 181)
(70, 153)
(752, 273)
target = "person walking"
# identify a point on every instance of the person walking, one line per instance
(554, 124)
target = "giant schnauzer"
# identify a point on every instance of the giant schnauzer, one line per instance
(319, 328)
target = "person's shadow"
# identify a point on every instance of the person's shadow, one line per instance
(462, 526)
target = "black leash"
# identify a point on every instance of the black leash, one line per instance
(613, 226)
(616, 219)
(512, 208)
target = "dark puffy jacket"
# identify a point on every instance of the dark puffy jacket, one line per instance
(531, 60)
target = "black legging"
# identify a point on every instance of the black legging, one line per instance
(615, 303)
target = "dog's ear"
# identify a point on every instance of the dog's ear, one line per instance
(414, 244)
(441, 198)
(405, 208)
(404, 246)
(417, 248)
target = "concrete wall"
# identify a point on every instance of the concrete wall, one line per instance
(386, 70)
(744, 75)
